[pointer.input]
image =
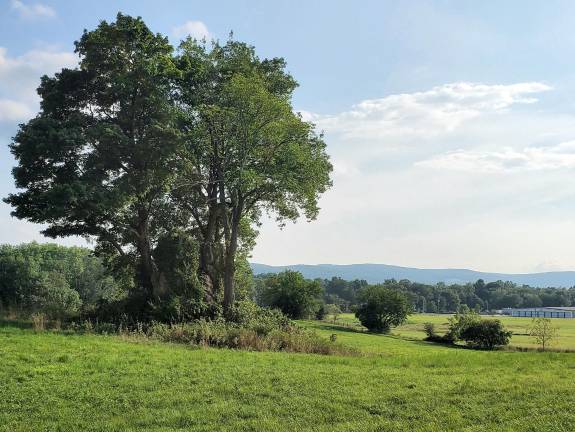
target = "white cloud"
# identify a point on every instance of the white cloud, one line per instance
(506, 160)
(33, 11)
(20, 76)
(421, 179)
(195, 29)
(14, 111)
(437, 111)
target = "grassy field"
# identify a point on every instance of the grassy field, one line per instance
(413, 329)
(58, 382)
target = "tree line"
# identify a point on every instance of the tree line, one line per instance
(442, 298)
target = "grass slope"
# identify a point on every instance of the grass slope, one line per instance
(56, 382)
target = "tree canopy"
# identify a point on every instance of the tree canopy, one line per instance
(151, 151)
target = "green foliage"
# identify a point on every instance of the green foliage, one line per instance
(168, 160)
(98, 158)
(55, 297)
(59, 281)
(224, 334)
(333, 310)
(382, 308)
(442, 298)
(247, 314)
(248, 151)
(459, 322)
(176, 255)
(429, 329)
(485, 334)
(292, 294)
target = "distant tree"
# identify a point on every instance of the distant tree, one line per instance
(544, 332)
(381, 308)
(485, 334)
(294, 295)
(333, 310)
(459, 322)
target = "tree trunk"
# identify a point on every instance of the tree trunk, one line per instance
(230, 261)
(150, 278)
(208, 266)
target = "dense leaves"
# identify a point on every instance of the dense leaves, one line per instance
(291, 293)
(485, 334)
(381, 308)
(56, 280)
(167, 160)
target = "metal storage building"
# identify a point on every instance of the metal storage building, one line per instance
(542, 312)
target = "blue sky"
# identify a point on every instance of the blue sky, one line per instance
(451, 124)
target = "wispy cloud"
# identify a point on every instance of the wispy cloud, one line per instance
(32, 11)
(14, 111)
(195, 29)
(439, 110)
(506, 160)
(20, 76)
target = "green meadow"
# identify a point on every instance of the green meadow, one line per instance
(413, 329)
(54, 381)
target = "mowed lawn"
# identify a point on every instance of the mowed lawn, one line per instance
(57, 382)
(413, 329)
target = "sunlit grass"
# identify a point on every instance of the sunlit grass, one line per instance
(413, 328)
(56, 382)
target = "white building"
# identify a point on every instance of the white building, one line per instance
(541, 312)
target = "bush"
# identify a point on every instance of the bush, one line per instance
(39, 321)
(458, 323)
(485, 334)
(381, 308)
(263, 321)
(290, 292)
(320, 313)
(429, 329)
(223, 334)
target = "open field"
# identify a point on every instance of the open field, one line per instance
(58, 382)
(413, 329)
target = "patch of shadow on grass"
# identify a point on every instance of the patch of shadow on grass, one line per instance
(335, 327)
(15, 324)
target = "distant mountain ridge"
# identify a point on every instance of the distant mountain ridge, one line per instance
(376, 273)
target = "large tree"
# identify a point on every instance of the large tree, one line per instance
(151, 153)
(98, 159)
(250, 152)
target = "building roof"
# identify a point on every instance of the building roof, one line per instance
(546, 308)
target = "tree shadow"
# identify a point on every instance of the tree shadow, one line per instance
(24, 325)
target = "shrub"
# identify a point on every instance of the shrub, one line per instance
(458, 323)
(333, 310)
(290, 292)
(39, 321)
(381, 308)
(249, 315)
(320, 313)
(429, 329)
(224, 334)
(485, 334)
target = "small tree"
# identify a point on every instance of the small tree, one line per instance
(544, 332)
(294, 295)
(459, 322)
(381, 308)
(485, 334)
(333, 310)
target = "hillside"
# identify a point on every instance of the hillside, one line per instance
(375, 273)
(54, 381)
